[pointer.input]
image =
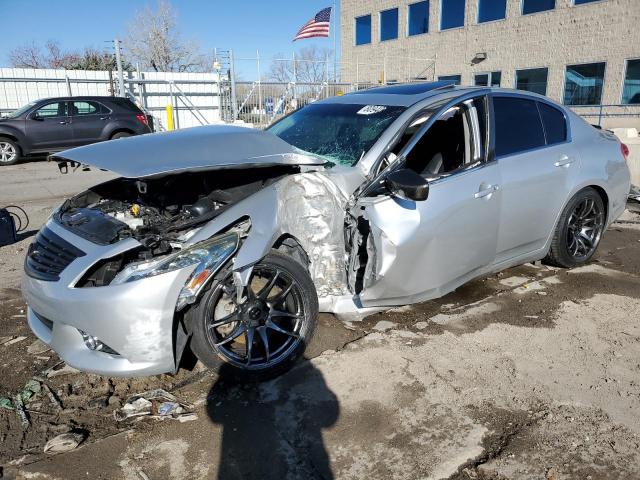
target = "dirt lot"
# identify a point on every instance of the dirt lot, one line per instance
(533, 373)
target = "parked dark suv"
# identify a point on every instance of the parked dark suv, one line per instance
(54, 124)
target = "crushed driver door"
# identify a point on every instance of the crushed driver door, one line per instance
(404, 251)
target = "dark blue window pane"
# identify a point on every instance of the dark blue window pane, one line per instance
(418, 18)
(496, 78)
(631, 92)
(583, 84)
(517, 125)
(481, 80)
(555, 126)
(363, 30)
(451, 14)
(489, 10)
(581, 2)
(389, 24)
(455, 78)
(532, 80)
(533, 6)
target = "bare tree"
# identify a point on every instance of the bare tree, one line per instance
(154, 40)
(52, 56)
(310, 66)
(31, 55)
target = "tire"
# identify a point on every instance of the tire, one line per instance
(115, 136)
(9, 152)
(278, 313)
(579, 230)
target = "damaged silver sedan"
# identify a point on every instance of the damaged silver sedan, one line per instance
(228, 241)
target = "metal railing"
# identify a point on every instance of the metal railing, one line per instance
(607, 111)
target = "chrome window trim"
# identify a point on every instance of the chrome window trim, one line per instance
(368, 186)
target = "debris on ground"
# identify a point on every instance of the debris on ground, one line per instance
(38, 347)
(155, 403)
(63, 370)
(64, 442)
(14, 341)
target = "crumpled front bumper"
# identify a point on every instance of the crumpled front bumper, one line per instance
(135, 319)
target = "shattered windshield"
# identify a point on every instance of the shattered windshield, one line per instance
(339, 133)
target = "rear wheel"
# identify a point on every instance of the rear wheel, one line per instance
(267, 329)
(9, 152)
(578, 231)
(120, 135)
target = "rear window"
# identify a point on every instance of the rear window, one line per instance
(126, 104)
(517, 125)
(555, 125)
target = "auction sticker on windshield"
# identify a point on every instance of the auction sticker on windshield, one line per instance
(371, 109)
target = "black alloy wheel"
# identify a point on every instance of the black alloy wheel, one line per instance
(579, 230)
(264, 330)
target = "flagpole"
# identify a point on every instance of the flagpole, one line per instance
(335, 60)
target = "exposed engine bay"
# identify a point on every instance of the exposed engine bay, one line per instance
(160, 213)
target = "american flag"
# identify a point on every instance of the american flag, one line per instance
(318, 26)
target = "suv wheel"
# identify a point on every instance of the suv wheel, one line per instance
(264, 332)
(9, 152)
(120, 135)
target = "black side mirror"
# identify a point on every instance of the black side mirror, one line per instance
(36, 117)
(407, 184)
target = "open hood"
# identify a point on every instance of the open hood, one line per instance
(192, 149)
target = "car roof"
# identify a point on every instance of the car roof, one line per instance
(103, 98)
(409, 94)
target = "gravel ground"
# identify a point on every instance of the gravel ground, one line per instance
(533, 373)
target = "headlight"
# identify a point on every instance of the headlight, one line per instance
(207, 255)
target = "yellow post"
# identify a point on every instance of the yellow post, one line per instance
(169, 117)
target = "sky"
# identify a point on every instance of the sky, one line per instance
(241, 25)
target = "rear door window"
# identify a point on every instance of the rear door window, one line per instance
(555, 125)
(87, 108)
(518, 126)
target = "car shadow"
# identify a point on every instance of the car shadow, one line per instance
(273, 430)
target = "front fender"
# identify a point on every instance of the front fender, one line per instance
(14, 132)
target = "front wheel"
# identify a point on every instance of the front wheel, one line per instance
(263, 332)
(9, 152)
(578, 231)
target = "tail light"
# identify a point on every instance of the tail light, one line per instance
(142, 118)
(624, 150)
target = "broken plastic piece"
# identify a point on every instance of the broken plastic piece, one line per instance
(64, 442)
(156, 403)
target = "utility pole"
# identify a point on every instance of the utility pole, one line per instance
(121, 91)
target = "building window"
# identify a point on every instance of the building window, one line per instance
(534, 6)
(582, 2)
(583, 84)
(487, 79)
(389, 24)
(451, 14)
(456, 79)
(363, 30)
(532, 80)
(490, 10)
(631, 90)
(418, 18)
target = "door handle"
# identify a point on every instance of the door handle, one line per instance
(104, 118)
(564, 161)
(63, 123)
(486, 191)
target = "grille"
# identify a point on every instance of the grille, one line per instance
(49, 255)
